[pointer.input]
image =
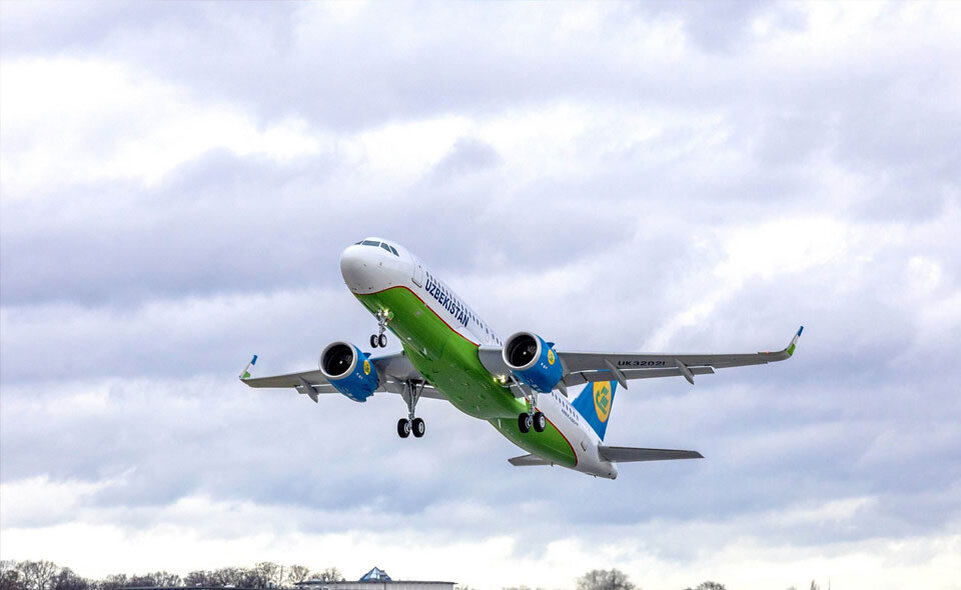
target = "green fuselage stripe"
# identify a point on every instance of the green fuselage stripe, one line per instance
(450, 363)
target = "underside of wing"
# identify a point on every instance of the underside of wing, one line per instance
(394, 370)
(584, 367)
(631, 454)
(314, 378)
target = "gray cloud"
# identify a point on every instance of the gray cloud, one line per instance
(129, 306)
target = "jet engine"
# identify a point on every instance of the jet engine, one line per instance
(349, 370)
(533, 361)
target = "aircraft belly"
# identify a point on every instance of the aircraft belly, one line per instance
(550, 444)
(444, 357)
(450, 363)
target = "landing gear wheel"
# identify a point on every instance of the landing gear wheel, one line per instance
(379, 340)
(540, 421)
(418, 427)
(403, 428)
(524, 423)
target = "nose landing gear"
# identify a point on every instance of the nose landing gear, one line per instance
(410, 424)
(380, 338)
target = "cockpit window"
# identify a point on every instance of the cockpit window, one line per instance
(376, 244)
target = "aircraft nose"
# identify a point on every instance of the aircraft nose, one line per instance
(369, 268)
(356, 268)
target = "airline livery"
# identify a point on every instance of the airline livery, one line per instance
(519, 385)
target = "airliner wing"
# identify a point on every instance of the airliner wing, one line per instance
(582, 367)
(393, 369)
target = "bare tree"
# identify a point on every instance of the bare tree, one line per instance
(67, 580)
(814, 586)
(141, 581)
(297, 573)
(167, 579)
(270, 573)
(197, 578)
(38, 575)
(256, 577)
(709, 585)
(613, 579)
(330, 574)
(226, 576)
(10, 576)
(113, 582)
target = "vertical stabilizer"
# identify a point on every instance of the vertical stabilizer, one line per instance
(594, 404)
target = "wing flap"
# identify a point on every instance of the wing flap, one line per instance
(630, 374)
(632, 454)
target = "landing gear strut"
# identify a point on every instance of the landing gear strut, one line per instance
(380, 338)
(410, 424)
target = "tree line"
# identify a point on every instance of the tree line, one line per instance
(613, 579)
(46, 575)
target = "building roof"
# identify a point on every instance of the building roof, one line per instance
(375, 575)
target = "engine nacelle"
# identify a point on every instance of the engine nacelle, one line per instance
(533, 361)
(349, 370)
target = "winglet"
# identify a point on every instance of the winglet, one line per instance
(790, 347)
(246, 373)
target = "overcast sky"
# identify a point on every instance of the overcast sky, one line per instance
(178, 181)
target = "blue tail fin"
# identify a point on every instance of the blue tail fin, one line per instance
(595, 403)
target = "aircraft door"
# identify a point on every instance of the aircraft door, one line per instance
(418, 274)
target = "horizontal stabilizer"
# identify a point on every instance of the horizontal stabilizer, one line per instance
(628, 454)
(528, 460)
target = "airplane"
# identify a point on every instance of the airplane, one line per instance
(519, 385)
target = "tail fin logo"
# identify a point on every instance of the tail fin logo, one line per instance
(602, 400)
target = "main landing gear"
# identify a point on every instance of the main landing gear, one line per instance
(410, 424)
(536, 420)
(380, 338)
(532, 418)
